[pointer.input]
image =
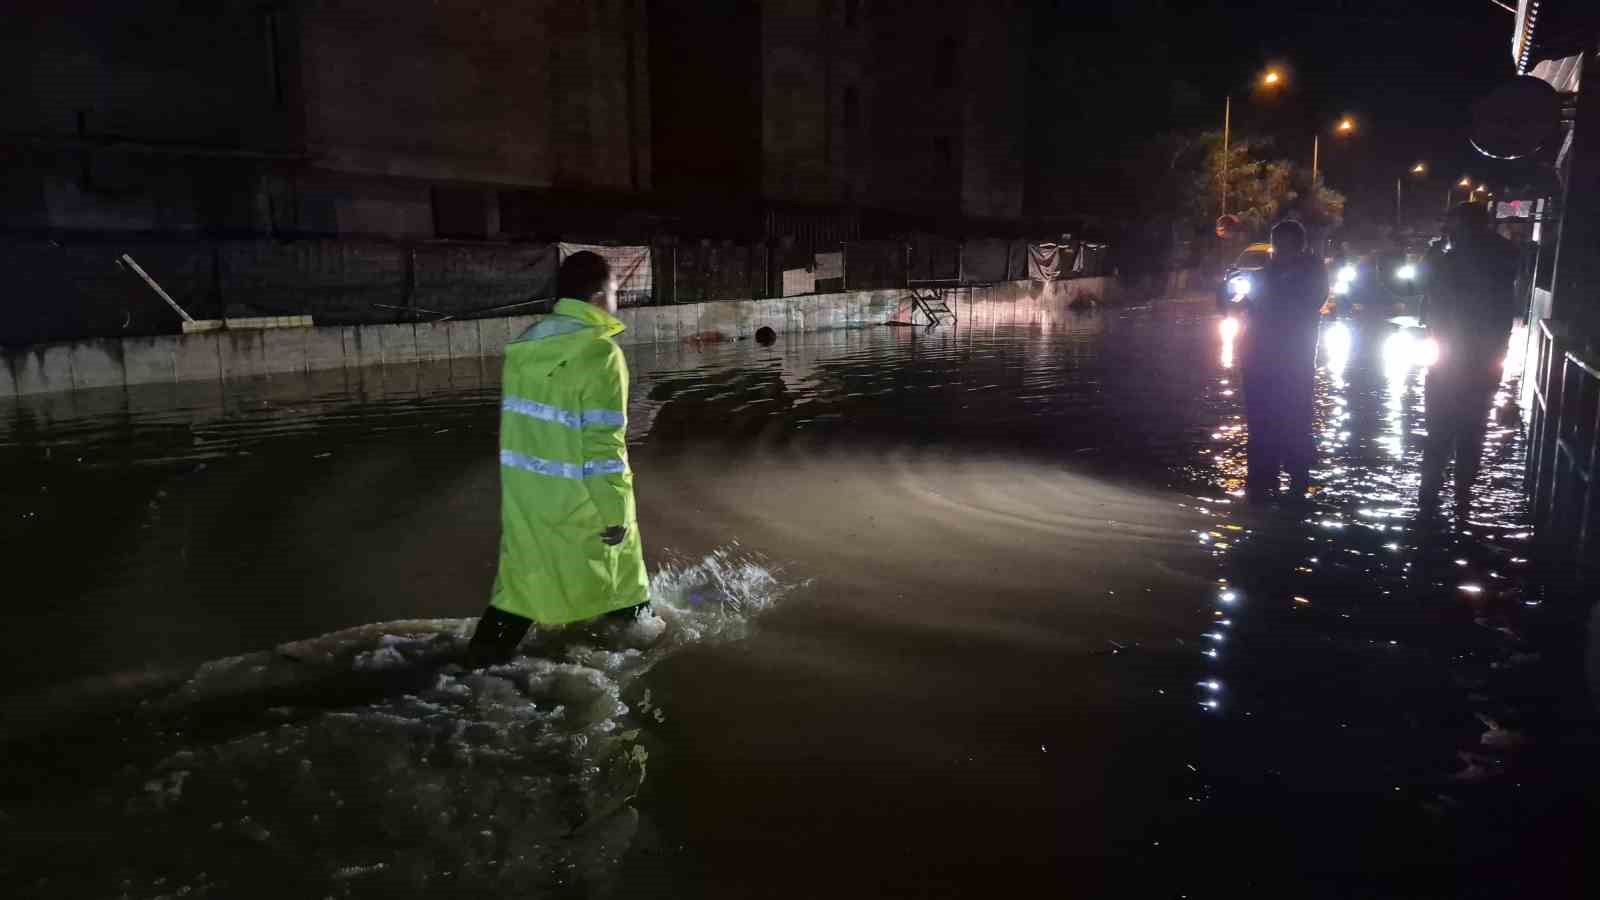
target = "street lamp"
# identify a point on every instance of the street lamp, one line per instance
(1399, 203)
(1271, 79)
(1449, 193)
(1346, 125)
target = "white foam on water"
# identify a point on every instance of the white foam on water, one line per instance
(511, 780)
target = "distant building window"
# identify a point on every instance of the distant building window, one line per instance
(852, 108)
(944, 65)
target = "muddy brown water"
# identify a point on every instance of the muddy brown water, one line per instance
(1032, 637)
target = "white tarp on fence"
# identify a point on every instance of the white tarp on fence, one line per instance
(1044, 262)
(630, 265)
(799, 281)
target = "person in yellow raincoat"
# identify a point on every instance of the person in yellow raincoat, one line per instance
(569, 540)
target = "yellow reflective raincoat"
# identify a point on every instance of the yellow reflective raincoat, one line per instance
(564, 475)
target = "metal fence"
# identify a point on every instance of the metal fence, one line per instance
(65, 290)
(1564, 457)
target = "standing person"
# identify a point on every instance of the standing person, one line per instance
(1278, 355)
(1469, 308)
(569, 540)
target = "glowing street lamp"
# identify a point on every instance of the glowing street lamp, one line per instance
(1346, 125)
(1272, 78)
(1420, 168)
(1465, 182)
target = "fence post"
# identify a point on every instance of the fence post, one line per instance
(218, 302)
(410, 282)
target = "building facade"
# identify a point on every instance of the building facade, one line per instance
(320, 116)
(477, 119)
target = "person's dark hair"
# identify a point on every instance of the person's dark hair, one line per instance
(1289, 231)
(582, 275)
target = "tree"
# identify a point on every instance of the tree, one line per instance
(1260, 190)
(1172, 190)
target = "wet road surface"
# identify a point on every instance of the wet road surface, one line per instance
(1028, 631)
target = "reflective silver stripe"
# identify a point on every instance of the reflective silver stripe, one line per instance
(560, 469)
(604, 467)
(608, 417)
(542, 466)
(542, 411)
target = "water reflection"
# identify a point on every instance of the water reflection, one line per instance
(1330, 626)
(987, 585)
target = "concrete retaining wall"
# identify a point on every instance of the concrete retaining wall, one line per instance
(230, 355)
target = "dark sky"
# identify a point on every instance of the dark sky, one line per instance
(1407, 71)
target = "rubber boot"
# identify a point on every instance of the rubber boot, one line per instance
(495, 639)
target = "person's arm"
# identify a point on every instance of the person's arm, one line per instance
(1432, 280)
(605, 441)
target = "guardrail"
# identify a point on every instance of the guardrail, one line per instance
(1564, 458)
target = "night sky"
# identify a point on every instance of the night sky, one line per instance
(1408, 72)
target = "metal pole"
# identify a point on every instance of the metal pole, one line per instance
(1399, 213)
(1448, 193)
(1315, 138)
(1227, 116)
(127, 260)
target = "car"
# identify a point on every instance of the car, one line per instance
(1381, 284)
(1239, 277)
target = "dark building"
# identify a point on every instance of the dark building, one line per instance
(326, 116)
(897, 106)
(473, 119)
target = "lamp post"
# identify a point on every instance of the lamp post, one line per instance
(1465, 184)
(1270, 79)
(1346, 125)
(1399, 203)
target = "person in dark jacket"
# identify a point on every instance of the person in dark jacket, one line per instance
(1277, 355)
(1468, 308)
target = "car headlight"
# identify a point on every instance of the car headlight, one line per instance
(1239, 286)
(1406, 272)
(1347, 273)
(1340, 288)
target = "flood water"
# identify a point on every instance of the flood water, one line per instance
(941, 613)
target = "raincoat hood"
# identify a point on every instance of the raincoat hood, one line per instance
(590, 315)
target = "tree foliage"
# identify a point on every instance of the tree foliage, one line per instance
(1261, 190)
(1176, 181)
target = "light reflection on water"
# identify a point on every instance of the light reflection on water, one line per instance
(1324, 635)
(1346, 615)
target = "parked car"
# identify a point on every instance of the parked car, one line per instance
(1239, 278)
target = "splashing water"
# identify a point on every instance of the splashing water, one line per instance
(365, 762)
